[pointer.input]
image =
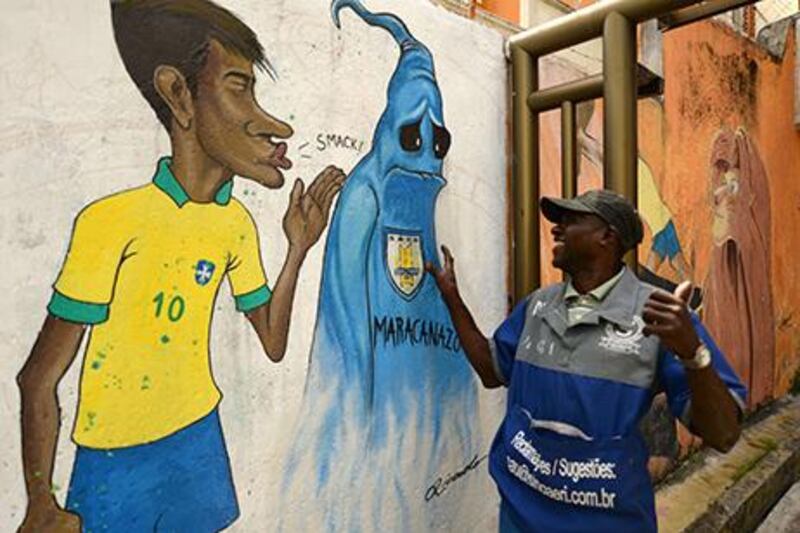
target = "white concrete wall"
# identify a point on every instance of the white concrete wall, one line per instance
(73, 128)
(588, 56)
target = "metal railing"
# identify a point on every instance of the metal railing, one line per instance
(620, 84)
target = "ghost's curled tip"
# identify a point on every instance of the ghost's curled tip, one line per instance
(335, 14)
(387, 21)
(336, 7)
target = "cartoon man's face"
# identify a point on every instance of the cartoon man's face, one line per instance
(231, 126)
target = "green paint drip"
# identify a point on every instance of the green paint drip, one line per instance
(164, 339)
(145, 383)
(96, 365)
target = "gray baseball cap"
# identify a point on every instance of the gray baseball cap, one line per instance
(612, 207)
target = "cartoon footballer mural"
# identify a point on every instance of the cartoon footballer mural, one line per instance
(141, 275)
(390, 397)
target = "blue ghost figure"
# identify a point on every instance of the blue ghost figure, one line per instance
(386, 365)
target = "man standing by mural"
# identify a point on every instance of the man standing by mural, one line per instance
(582, 360)
(143, 270)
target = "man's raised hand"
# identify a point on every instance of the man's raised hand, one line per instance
(445, 277)
(667, 316)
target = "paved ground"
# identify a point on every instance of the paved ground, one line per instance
(785, 516)
(734, 491)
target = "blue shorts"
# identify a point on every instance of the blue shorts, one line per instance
(179, 483)
(665, 242)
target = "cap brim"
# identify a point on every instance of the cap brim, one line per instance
(554, 209)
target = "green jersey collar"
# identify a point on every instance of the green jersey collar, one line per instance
(167, 182)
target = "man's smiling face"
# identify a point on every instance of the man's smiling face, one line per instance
(231, 127)
(577, 240)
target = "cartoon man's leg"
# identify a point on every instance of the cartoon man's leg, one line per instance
(201, 498)
(654, 260)
(179, 483)
(667, 246)
(111, 492)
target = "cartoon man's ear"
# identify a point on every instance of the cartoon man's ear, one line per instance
(173, 89)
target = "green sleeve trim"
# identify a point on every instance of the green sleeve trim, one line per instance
(71, 310)
(250, 300)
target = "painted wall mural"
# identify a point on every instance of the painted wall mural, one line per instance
(388, 382)
(392, 438)
(373, 419)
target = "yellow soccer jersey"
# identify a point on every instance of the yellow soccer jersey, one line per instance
(144, 267)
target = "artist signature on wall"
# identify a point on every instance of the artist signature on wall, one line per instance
(442, 483)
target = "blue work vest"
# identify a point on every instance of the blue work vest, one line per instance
(568, 455)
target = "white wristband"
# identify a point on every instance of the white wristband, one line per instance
(701, 359)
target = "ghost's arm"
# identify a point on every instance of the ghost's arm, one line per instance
(344, 298)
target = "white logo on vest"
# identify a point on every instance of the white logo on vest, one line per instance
(625, 341)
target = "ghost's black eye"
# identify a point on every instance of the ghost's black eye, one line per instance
(410, 137)
(441, 141)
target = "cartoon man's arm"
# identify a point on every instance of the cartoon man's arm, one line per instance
(306, 217)
(51, 356)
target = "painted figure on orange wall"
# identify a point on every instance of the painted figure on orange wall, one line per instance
(654, 211)
(738, 296)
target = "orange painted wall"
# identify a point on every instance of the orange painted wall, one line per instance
(505, 9)
(716, 78)
(781, 141)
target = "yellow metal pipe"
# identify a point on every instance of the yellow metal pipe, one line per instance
(589, 88)
(619, 111)
(587, 23)
(580, 90)
(525, 175)
(569, 151)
